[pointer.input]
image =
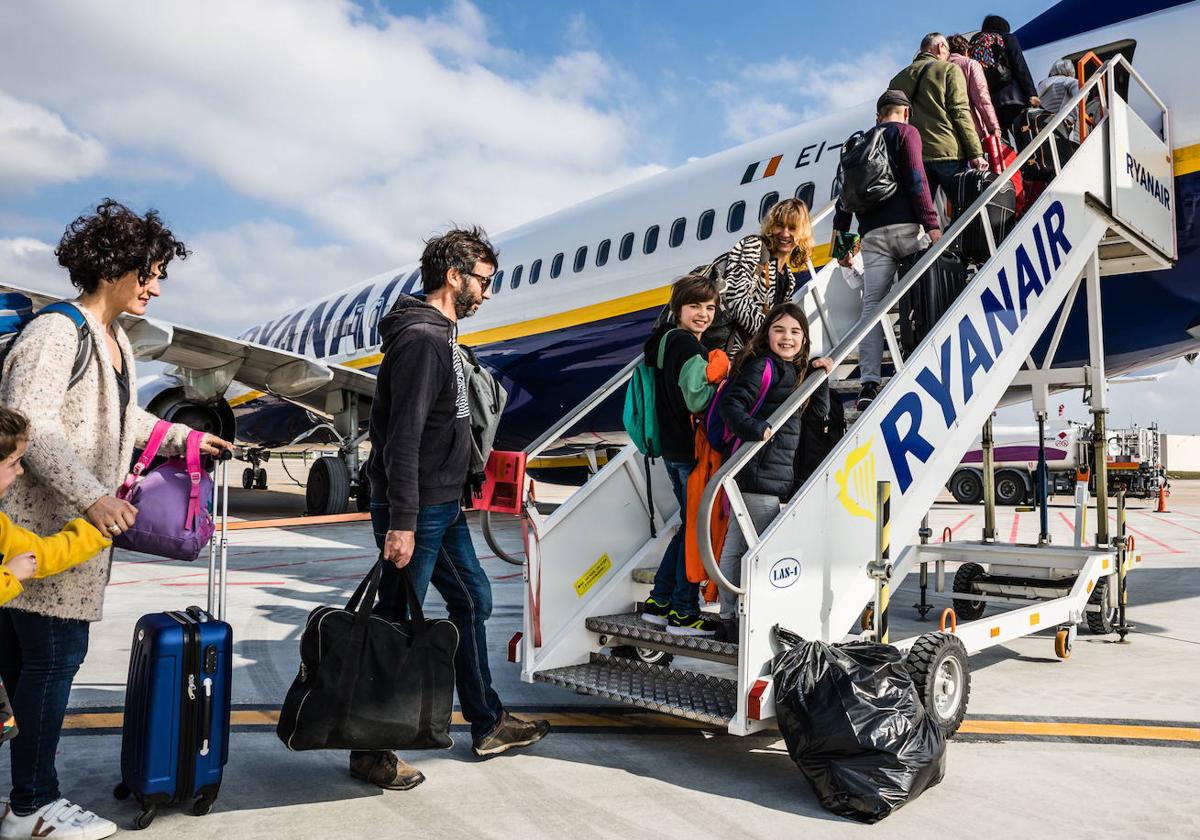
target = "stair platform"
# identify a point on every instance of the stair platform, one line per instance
(685, 694)
(628, 628)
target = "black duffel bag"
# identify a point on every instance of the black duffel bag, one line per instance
(367, 682)
(854, 725)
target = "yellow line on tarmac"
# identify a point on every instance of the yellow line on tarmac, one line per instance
(85, 721)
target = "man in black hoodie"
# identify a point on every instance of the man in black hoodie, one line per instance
(420, 454)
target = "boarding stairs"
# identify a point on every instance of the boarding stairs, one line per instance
(818, 565)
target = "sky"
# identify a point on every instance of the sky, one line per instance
(298, 146)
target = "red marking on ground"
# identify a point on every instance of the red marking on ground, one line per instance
(508, 577)
(234, 583)
(1169, 522)
(1012, 535)
(1145, 536)
(307, 562)
(962, 522)
(1070, 524)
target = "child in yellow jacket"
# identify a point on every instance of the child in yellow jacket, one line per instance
(24, 554)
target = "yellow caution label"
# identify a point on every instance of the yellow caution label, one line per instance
(598, 570)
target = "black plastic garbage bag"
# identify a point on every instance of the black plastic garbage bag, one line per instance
(854, 725)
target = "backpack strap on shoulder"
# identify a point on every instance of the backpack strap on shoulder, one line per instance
(83, 349)
(763, 386)
(662, 346)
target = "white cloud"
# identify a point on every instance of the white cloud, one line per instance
(29, 263)
(771, 96)
(379, 128)
(37, 147)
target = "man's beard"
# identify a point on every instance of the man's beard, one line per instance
(465, 302)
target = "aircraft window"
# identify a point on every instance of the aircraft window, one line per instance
(535, 271)
(768, 201)
(737, 215)
(602, 252)
(556, 265)
(626, 246)
(516, 277)
(806, 192)
(580, 258)
(651, 240)
(678, 229)
(497, 283)
(704, 225)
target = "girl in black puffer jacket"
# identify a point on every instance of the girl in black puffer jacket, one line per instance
(783, 347)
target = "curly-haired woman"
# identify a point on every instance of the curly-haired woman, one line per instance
(81, 440)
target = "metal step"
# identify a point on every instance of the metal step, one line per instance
(629, 629)
(644, 574)
(684, 694)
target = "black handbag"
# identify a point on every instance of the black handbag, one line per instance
(367, 682)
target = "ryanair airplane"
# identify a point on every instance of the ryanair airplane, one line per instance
(578, 290)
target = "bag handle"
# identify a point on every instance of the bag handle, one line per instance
(363, 599)
(157, 435)
(786, 637)
(195, 471)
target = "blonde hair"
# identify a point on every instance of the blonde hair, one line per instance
(791, 212)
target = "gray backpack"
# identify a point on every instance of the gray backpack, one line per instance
(487, 400)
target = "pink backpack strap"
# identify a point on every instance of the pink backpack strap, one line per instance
(763, 387)
(195, 471)
(157, 435)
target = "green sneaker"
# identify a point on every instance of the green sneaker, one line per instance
(692, 625)
(655, 613)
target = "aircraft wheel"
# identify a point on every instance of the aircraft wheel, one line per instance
(964, 582)
(248, 478)
(938, 665)
(328, 490)
(260, 478)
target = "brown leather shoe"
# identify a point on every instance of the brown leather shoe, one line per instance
(510, 732)
(384, 768)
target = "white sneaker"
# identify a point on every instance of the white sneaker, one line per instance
(61, 819)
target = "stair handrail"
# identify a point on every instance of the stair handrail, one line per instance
(723, 480)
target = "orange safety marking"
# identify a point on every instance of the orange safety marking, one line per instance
(1081, 730)
(949, 613)
(292, 522)
(1034, 618)
(994, 632)
(1124, 465)
(1091, 585)
(1104, 563)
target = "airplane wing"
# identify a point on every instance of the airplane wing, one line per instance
(208, 362)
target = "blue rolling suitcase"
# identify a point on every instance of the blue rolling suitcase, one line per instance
(175, 738)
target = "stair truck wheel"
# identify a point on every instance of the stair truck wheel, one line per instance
(964, 581)
(938, 665)
(967, 487)
(1062, 643)
(1101, 623)
(1010, 488)
(328, 490)
(650, 656)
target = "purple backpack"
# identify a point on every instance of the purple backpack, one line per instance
(172, 499)
(721, 437)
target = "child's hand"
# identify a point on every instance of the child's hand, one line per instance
(825, 363)
(767, 434)
(23, 566)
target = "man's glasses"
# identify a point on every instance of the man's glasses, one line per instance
(484, 282)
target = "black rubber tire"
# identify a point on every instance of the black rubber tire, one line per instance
(967, 487)
(121, 792)
(964, 579)
(924, 660)
(248, 478)
(650, 657)
(1101, 623)
(328, 490)
(260, 479)
(145, 817)
(1010, 488)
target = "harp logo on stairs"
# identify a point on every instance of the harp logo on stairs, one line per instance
(856, 482)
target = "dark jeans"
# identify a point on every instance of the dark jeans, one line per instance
(671, 582)
(445, 557)
(940, 173)
(39, 656)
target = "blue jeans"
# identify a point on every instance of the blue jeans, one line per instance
(940, 173)
(671, 583)
(445, 557)
(39, 656)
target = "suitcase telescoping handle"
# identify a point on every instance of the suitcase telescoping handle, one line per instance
(218, 555)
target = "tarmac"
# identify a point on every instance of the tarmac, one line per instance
(1105, 744)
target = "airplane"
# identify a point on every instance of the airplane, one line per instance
(577, 290)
